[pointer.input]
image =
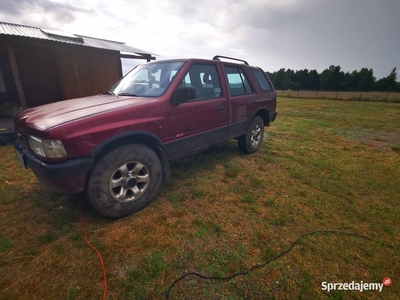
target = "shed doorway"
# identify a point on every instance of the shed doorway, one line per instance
(38, 73)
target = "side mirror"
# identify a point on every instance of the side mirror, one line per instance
(182, 95)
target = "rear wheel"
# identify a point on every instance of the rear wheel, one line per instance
(124, 180)
(251, 141)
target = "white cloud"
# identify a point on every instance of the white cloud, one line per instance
(269, 33)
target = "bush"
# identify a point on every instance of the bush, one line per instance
(289, 93)
(9, 110)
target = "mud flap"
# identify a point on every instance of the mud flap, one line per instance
(166, 173)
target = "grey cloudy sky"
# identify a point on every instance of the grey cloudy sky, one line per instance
(272, 34)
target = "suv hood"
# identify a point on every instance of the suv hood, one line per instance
(50, 115)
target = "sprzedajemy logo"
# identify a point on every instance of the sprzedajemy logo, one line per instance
(356, 286)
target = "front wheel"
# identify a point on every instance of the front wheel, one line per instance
(124, 180)
(251, 141)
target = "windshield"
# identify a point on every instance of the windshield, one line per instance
(148, 80)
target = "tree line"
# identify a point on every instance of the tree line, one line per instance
(333, 79)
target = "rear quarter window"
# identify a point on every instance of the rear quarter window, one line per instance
(262, 79)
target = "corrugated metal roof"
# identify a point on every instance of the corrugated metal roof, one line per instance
(37, 33)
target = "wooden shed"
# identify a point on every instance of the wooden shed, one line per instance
(39, 66)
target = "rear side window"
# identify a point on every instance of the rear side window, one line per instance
(238, 82)
(262, 80)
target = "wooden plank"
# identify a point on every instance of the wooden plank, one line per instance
(77, 77)
(17, 78)
(146, 57)
(119, 67)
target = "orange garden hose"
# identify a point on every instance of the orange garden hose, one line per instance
(98, 254)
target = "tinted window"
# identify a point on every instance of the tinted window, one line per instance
(262, 80)
(205, 79)
(238, 82)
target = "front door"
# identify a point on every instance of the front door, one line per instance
(203, 121)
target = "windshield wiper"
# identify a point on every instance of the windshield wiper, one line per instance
(127, 94)
(109, 93)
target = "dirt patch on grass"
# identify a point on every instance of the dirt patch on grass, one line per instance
(370, 137)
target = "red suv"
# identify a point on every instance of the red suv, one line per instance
(116, 146)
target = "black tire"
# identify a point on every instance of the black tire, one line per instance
(251, 141)
(124, 180)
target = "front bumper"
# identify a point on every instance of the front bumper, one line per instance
(67, 177)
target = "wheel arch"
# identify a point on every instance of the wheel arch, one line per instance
(263, 113)
(137, 137)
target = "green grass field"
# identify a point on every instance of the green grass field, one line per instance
(324, 165)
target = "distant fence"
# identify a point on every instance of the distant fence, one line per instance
(342, 95)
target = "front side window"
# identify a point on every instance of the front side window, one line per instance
(148, 80)
(238, 82)
(205, 79)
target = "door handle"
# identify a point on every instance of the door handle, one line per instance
(221, 108)
(253, 102)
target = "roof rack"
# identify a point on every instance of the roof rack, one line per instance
(217, 57)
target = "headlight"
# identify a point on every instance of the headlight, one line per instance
(47, 148)
(36, 146)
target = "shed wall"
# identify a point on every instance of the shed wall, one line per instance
(78, 71)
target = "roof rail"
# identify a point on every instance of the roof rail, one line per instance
(217, 57)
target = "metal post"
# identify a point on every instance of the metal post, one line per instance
(360, 96)
(337, 94)
(387, 94)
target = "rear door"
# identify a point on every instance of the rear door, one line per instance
(242, 99)
(203, 121)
